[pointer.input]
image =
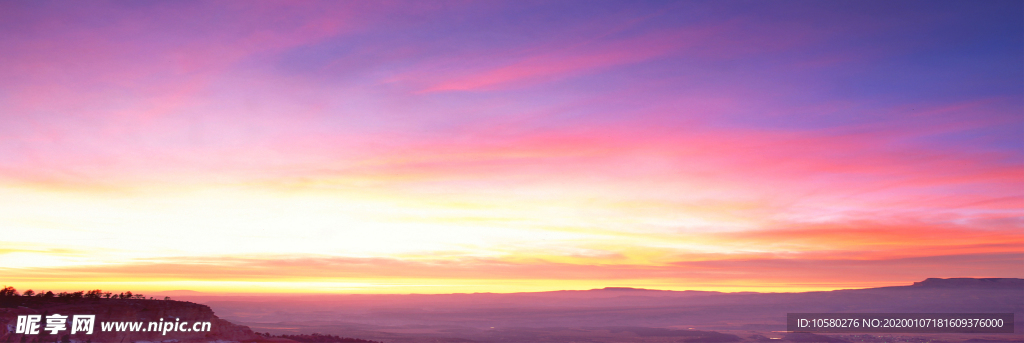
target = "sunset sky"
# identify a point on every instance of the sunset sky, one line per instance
(508, 146)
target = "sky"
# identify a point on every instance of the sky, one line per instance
(509, 146)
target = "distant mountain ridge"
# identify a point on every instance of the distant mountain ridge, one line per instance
(620, 314)
(961, 283)
(998, 283)
(965, 283)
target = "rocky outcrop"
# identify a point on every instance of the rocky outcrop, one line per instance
(121, 320)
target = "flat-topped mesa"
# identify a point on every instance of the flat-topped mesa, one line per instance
(970, 283)
(114, 319)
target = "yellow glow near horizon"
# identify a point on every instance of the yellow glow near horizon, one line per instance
(114, 226)
(264, 238)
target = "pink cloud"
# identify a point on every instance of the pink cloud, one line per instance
(575, 59)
